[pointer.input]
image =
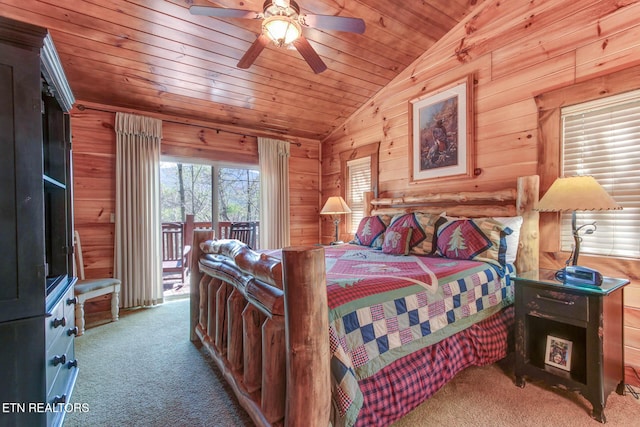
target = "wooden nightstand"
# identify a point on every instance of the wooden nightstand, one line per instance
(589, 320)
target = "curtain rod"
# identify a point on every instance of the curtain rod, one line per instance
(83, 107)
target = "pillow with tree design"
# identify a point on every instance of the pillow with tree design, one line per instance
(371, 230)
(478, 239)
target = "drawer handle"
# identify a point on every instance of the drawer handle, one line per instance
(59, 322)
(60, 399)
(71, 301)
(59, 359)
(72, 363)
(559, 301)
(73, 331)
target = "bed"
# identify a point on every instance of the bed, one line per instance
(361, 333)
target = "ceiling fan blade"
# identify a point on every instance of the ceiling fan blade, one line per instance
(309, 55)
(256, 48)
(220, 12)
(336, 23)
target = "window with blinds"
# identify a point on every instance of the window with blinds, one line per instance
(358, 181)
(602, 139)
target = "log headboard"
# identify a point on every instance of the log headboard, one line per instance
(519, 200)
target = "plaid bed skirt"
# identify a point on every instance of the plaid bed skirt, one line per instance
(401, 386)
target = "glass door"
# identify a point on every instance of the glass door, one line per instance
(195, 195)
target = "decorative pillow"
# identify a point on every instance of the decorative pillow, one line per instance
(207, 246)
(397, 241)
(371, 230)
(478, 239)
(513, 239)
(423, 235)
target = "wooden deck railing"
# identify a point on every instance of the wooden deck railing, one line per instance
(222, 231)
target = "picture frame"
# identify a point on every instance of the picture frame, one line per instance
(441, 125)
(558, 353)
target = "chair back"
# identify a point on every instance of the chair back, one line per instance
(175, 253)
(245, 232)
(172, 241)
(78, 261)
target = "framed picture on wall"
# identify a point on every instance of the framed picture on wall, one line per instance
(558, 353)
(441, 129)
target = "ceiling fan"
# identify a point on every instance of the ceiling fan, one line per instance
(282, 24)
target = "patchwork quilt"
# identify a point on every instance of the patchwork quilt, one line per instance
(383, 307)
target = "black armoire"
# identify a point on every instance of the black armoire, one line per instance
(38, 368)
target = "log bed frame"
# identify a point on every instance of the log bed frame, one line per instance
(265, 322)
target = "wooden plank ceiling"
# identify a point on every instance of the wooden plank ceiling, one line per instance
(154, 55)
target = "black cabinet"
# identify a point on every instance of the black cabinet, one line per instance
(21, 201)
(37, 360)
(570, 336)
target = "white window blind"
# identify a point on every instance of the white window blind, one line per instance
(602, 139)
(358, 181)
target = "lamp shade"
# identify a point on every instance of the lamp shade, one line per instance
(576, 193)
(335, 205)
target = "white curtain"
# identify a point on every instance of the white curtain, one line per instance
(274, 193)
(138, 251)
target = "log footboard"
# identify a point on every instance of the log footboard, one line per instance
(270, 343)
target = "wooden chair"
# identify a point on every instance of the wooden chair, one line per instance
(174, 251)
(91, 288)
(245, 232)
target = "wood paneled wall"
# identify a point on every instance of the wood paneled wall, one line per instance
(94, 150)
(515, 51)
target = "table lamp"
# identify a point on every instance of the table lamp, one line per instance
(335, 206)
(577, 193)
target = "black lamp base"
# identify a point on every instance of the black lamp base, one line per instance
(577, 239)
(336, 222)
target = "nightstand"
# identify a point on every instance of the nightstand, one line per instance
(583, 325)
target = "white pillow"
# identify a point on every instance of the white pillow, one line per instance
(514, 223)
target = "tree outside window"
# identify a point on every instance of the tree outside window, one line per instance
(187, 189)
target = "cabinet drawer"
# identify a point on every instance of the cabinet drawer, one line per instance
(548, 302)
(62, 318)
(55, 324)
(60, 390)
(59, 356)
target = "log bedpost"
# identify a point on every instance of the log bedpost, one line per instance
(527, 199)
(221, 337)
(252, 321)
(204, 307)
(307, 337)
(235, 305)
(368, 197)
(195, 275)
(212, 298)
(273, 394)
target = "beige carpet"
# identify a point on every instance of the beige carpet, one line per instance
(487, 396)
(143, 371)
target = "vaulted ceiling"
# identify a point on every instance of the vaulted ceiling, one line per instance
(156, 56)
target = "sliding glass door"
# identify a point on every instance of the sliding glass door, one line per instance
(215, 194)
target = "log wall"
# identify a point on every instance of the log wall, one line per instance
(94, 150)
(515, 51)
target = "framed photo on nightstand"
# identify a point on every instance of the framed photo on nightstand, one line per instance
(558, 353)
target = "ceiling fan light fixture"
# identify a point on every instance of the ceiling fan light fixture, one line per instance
(282, 24)
(280, 3)
(281, 29)
(281, 21)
